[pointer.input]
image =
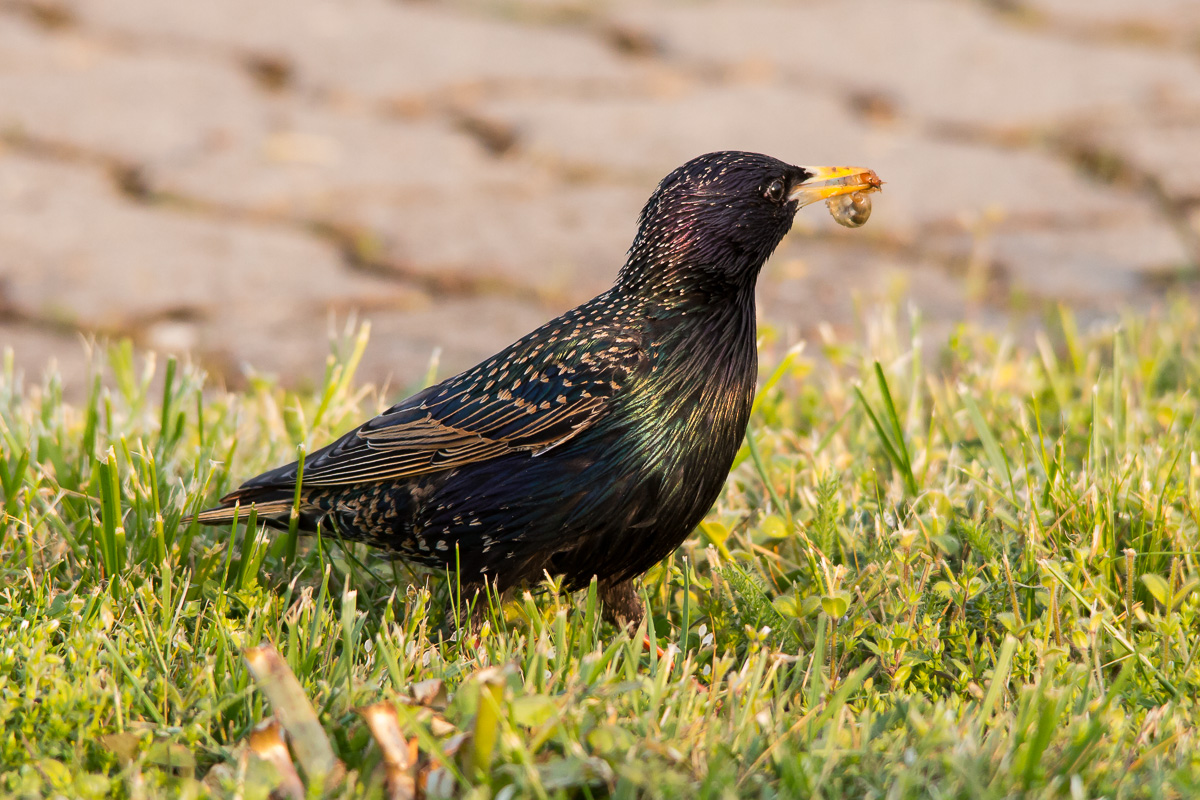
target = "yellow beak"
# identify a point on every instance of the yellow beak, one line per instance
(827, 182)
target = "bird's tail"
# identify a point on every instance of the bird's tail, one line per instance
(271, 511)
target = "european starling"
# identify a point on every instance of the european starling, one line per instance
(595, 444)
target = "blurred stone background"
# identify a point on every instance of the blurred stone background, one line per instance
(231, 179)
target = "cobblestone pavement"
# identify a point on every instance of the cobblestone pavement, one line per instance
(232, 179)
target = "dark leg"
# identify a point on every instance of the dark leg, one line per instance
(476, 607)
(622, 606)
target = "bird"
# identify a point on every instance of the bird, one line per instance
(593, 446)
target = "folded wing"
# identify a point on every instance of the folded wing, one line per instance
(493, 409)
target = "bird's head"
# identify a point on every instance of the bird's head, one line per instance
(723, 214)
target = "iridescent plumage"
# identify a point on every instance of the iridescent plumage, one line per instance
(595, 444)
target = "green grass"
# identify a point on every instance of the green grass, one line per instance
(949, 569)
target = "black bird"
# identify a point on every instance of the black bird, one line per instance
(595, 444)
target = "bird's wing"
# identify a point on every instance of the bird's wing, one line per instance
(526, 398)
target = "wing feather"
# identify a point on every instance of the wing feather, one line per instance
(488, 411)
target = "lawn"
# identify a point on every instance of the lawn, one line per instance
(941, 568)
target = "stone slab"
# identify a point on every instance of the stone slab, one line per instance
(1146, 21)
(935, 60)
(1169, 152)
(306, 161)
(565, 242)
(812, 283)
(74, 90)
(73, 247)
(376, 49)
(929, 181)
(39, 352)
(458, 332)
(1102, 265)
(73, 252)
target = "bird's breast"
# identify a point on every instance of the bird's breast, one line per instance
(697, 398)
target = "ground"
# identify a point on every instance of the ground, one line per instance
(943, 568)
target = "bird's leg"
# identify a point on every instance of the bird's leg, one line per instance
(472, 609)
(622, 606)
(480, 613)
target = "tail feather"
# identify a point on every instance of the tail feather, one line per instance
(268, 511)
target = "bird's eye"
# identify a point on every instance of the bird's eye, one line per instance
(775, 191)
